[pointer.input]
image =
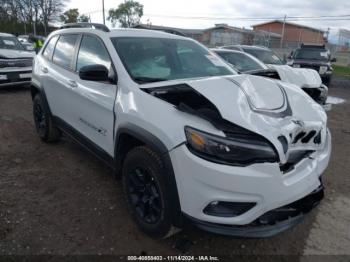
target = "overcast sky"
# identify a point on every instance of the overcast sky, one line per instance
(157, 10)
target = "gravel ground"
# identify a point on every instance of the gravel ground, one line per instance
(58, 199)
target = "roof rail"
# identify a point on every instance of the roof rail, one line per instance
(86, 25)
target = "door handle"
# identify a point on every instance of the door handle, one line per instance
(44, 70)
(72, 84)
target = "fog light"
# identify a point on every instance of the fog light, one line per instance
(227, 209)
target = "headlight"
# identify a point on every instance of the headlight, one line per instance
(240, 149)
(323, 69)
(296, 65)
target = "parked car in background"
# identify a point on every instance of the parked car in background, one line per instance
(15, 62)
(28, 45)
(23, 38)
(306, 79)
(191, 140)
(264, 54)
(316, 57)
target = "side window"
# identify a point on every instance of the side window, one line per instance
(64, 51)
(91, 52)
(50, 47)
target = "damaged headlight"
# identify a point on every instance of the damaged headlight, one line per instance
(237, 150)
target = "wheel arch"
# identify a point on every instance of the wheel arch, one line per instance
(129, 136)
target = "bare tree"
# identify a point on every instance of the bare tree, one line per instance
(16, 15)
(49, 11)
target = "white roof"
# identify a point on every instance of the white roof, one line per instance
(134, 32)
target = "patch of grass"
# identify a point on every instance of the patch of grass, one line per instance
(341, 70)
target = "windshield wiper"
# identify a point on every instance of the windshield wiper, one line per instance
(145, 79)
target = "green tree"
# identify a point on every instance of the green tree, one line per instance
(70, 16)
(83, 18)
(128, 14)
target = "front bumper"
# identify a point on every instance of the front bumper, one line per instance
(201, 182)
(11, 77)
(270, 223)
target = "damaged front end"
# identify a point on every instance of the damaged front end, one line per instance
(262, 168)
(319, 94)
(239, 147)
(280, 138)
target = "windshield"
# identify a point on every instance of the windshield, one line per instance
(10, 42)
(240, 61)
(159, 59)
(312, 54)
(266, 56)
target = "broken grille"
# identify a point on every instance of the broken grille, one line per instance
(306, 137)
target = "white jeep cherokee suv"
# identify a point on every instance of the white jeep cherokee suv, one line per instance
(239, 155)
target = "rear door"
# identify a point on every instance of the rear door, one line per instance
(91, 103)
(58, 74)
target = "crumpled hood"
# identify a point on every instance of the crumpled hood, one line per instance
(7, 53)
(265, 106)
(302, 77)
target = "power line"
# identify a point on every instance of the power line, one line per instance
(315, 18)
(290, 18)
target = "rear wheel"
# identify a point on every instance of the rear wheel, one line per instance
(146, 194)
(43, 121)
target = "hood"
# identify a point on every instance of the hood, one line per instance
(14, 54)
(264, 106)
(302, 77)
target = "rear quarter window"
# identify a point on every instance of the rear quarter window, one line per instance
(48, 51)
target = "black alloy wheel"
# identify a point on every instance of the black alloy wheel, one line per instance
(144, 195)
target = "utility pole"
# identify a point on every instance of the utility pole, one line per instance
(103, 11)
(339, 40)
(284, 24)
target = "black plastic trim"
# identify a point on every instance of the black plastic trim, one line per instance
(36, 89)
(247, 231)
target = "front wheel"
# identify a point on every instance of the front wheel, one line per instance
(146, 193)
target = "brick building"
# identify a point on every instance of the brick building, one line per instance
(294, 34)
(223, 34)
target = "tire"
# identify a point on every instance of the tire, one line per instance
(146, 194)
(43, 121)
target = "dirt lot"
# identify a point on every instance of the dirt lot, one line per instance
(58, 199)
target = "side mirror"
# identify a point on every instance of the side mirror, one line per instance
(94, 73)
(333, 60)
